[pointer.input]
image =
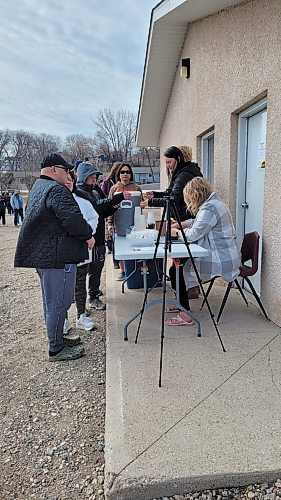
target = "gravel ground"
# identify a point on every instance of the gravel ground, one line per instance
(263, 491)
(52, 414)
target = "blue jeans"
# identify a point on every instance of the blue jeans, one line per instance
(58, 286)
(18, 213)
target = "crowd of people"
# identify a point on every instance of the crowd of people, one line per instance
(69, 219)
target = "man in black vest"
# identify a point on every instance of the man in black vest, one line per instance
(53, 238)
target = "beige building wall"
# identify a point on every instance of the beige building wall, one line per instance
(235, 59)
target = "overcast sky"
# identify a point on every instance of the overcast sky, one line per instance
(64, 60)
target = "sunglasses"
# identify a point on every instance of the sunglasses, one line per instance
(125, 171)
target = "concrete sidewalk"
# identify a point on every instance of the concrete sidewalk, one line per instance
(215, 422)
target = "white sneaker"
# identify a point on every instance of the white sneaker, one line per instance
(66, 327)
(84, 323)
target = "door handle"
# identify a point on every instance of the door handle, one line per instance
(245, 205)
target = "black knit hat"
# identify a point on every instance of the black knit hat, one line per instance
(53, 159)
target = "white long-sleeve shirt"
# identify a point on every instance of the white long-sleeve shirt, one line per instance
(90, 216)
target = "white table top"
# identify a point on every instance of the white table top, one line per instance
(124, 250)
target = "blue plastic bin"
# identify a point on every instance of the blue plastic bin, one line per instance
(136, 280)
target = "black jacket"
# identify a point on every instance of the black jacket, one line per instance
(53, 231)
(181, 176)
(104, 207)
(2, 205)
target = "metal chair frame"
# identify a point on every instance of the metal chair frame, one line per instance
(249, 251)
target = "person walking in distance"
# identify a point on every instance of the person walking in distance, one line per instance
(17, 206)
(2, 209)
(53, 238)
(7, 198)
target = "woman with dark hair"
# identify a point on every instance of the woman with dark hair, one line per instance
(110, 180)
(105, 186)
(181, 170)
(124, 182)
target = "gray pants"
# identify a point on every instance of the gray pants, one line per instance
(58, 287)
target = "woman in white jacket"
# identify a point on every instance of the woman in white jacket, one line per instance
(90, 215)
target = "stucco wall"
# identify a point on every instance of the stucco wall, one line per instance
(235, 60)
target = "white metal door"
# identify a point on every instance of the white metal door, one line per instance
(252, 170)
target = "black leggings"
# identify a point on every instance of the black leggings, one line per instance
(80, 289)
(95, 270)
(183, 292)
(2, 216)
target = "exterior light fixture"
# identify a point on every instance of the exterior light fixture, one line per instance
(185, 68)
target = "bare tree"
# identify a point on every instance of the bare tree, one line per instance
(77, 147)
(116, 133)
(43, 145)
(5, 137)
(6, 179)
(22, 153)
(25, 150)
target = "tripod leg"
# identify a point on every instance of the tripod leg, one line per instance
(197, 274)
(162, 326)
(167, 245)
(146, 290)
(159, 232)
(144, 301)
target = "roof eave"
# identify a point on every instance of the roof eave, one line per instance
(169, 22)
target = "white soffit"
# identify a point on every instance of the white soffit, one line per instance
(168, 29)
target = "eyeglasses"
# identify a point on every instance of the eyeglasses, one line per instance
(125, 172)
(66, 169)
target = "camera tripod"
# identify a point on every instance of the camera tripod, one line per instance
(169, 209)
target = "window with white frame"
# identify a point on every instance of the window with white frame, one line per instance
(207, 155)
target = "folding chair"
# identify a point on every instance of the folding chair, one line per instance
(249, 251)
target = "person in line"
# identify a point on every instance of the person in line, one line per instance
(124, 183)
(17, 206)
(2, 209)
(181, 170)
(54, 237)
(7, 198)
(213, 230)
(105, 186)
(87, 175)
(83, 322)
(110, 180)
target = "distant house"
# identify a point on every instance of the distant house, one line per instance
(212, 81)
(146, 175)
